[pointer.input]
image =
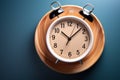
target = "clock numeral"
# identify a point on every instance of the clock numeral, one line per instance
(57, 30)
(86, 38)
(69, 54)
(61, 50)
(83, 46)
(83, 31)
(77, 52)
(62, 25)
(69, 23)
(55, 45)
(53, 37)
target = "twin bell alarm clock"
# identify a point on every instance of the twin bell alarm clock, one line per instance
(69, 39)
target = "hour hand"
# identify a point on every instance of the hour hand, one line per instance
(65, 35)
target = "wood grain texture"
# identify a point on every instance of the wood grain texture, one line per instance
(62, 67)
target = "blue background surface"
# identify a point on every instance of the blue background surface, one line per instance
(18, 57)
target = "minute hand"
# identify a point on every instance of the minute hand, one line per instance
(75, 33)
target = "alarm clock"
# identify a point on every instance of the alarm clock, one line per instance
(69, 39)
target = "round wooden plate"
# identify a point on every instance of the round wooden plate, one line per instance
(62, 67)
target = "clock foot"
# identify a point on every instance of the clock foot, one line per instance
(56, 61)
(81, 62)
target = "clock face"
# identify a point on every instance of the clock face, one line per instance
(69, 39)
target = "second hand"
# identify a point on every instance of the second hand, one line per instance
(70, 36)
